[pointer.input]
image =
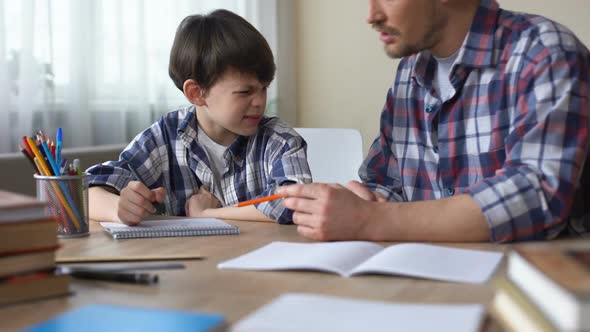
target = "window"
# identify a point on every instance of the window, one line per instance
(99, 69)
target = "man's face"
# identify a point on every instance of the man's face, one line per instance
(407, 27)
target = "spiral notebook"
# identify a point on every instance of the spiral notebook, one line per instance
(171, 228)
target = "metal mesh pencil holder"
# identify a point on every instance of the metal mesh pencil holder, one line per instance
(67, 198)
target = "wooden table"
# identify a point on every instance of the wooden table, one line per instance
(232, 293)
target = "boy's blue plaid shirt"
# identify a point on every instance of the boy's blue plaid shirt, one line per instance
(169, 155)
(514, 136)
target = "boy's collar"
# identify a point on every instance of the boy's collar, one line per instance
(187, 126)
(187, 131)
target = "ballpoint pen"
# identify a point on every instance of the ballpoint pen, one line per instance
(122, 267)
(126, 277)
(58, 142)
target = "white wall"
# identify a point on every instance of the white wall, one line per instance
(342, 72)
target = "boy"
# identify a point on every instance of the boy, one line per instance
(221, 150)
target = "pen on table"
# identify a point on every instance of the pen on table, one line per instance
(258, 200)
(123, 267)
(126, 277)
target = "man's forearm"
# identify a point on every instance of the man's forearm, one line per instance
(455, 219)
(102, 204)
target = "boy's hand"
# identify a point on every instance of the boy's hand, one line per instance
(136, 201)
(200, 202)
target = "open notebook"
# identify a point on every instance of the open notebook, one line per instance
(358, 257)
(171, 228)
(318, 313)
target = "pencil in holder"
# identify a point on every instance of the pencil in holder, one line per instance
(67, 198)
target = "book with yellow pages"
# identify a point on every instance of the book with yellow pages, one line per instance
(514, 310)
(556, 280)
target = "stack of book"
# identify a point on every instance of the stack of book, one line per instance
(547, 289)
(28, 240)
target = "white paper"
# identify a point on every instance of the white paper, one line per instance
(310, 313)
(433, 262)
(357, 257)
(336, 257)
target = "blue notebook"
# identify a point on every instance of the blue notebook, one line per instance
(102, 318)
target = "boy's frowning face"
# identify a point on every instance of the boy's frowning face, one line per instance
(234, 106)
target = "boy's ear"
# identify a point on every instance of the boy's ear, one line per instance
(194, 93)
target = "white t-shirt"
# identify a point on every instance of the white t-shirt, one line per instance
(215, 153)
(442, 83)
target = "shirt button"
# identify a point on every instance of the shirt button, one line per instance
(450, 191)
(429, 109)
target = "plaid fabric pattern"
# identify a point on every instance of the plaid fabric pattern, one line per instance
(514, 135)
(169, 155)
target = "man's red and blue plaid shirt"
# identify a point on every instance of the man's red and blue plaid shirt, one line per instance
(514, 135)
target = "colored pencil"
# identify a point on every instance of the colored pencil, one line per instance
(29, 158)
(258, 200)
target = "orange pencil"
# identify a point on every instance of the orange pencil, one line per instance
(258, 200)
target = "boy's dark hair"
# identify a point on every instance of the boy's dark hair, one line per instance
(205, 46)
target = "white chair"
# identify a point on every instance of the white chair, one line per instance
(334, 154)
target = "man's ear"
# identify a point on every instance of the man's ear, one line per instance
(194, 92)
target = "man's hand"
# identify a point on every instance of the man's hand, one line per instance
(361, 191)
(136, 201)
(328, 211)
(200, 202)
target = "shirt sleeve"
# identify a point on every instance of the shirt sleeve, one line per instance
(143, 155)
(379, 171)
(288, 165)
(531, 196)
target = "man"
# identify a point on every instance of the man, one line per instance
(484, 134)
